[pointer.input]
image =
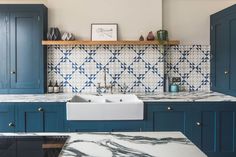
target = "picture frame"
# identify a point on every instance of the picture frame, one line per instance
(104, 32)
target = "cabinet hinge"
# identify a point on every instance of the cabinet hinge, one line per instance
(38, 18)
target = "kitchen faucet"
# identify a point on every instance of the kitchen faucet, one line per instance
(106, 87)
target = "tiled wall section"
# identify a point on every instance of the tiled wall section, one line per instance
(191, 64)
(79, 68)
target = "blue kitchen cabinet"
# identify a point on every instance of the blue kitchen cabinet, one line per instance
(7, 117)
(40, 117)
(3, 51)
(209, 125)
(25, 53)
(204, 126)
(105, 126)
(223, 51)
(214, 128)
(169, 116)
(24, 64)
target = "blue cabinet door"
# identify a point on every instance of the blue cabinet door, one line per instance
(214, 128)
(220, 55)
(3, 52)
(226, 133)
(29, 118)
(231, 48)
(223, 49)
(54, 115)
(40, 117)
(204, 124)
(169, 117)
(7, 119)
(25, 51)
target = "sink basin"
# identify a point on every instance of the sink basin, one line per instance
(105, 107)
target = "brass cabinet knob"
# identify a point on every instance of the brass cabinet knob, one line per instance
(40, 109)
(169, 108)
(11, 124)
(198, 124)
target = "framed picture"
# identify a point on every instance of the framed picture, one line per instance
(104, 32)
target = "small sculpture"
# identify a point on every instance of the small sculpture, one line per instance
(54, 34)
(150, 36)
(141, 38)
(68, 36)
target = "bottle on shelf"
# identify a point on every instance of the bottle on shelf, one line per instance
(166, 83)
(56, 88)
(50, 87)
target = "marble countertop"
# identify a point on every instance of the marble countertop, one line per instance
(158, 97)
(139, 144)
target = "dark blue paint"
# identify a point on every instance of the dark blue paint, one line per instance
(7, 115)
(50, 119)
(23, 52)
(215, 136)
(3, 53)
(223, 50)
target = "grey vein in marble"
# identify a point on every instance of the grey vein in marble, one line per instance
(146, 97)
(126, 144)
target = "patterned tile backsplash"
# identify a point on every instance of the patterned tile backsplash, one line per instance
(80, 68)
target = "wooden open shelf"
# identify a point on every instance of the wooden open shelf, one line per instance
(121, 42)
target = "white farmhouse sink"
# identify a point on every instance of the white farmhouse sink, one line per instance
(106, 107)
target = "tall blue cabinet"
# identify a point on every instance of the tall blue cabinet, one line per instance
(223, 51)
(23, 62)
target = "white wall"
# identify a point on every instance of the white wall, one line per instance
(189, 20)
(134, 17)
(186, 20)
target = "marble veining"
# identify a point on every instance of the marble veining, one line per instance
(152, 97)
(125, 144)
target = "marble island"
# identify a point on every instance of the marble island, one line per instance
(152, 97)
(129, 144)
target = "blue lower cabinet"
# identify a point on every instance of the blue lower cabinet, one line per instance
(169, 117)
(104, 126)
(216, 133)
(44, 117)
(204, 126)
(7, 117)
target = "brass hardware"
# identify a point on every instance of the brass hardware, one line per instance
(40, 109)
(11, 124)
(226, 72)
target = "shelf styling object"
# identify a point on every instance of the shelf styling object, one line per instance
(162, 35)
(54, 34)
(68, 37)
(150, 36)
(141, 38)
(174, 88)
(56, 88)
(50, 87)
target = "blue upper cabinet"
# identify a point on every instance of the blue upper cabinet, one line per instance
(25, 63)
(3, 52)
(223, 39)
